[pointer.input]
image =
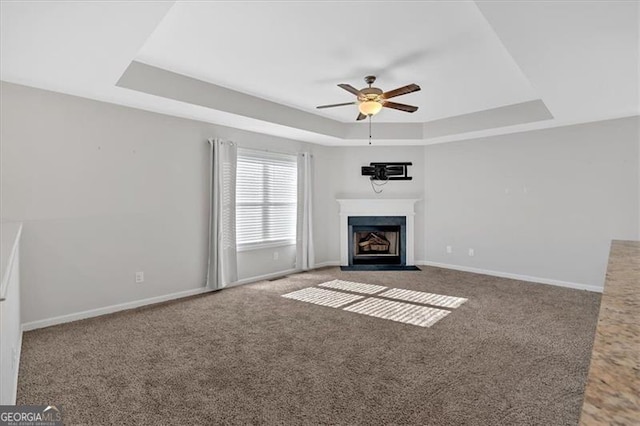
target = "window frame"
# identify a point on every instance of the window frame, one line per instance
(264, 244)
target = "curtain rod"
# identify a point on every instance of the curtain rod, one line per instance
(264, 150)
(274, 152)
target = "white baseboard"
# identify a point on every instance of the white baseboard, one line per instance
(519, 277)
(282, 273)
(327, 263)
(158, 299)
(264, 277)
(138, 303)
(110, 309)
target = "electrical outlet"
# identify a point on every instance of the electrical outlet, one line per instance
(472, 252)
(449, 249)
(139, 277)
(276, 255)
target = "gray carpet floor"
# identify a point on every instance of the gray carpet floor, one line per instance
(514, 354)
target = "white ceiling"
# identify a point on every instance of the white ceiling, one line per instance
(472, 60)
(73, 47)
(296, 54)
(581, 57)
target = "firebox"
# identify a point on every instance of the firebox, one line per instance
(377, 240)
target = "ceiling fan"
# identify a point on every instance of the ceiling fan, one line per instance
(372, 99)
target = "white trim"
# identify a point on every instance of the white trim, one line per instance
(14, 397)
(8, 268)
(158, 299)
(264, 277)
(528, 278)
(327, 263)
(261, 154)
(284, 232)
(264, 245)
(111, 309)
(150, 301)
(377, 207)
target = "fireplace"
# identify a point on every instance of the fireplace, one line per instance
(374, 216)
(377, 240)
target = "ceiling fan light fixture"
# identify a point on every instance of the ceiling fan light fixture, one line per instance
(371, 100)
(370, 107)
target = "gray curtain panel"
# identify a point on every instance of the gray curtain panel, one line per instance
(305, 256)
(223, 261)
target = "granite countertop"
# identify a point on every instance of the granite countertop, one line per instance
(9, 238)
(612, 395)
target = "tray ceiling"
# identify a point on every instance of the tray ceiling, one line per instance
(484, 67)
(296, 53)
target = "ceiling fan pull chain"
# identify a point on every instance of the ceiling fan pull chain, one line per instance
(369, 130)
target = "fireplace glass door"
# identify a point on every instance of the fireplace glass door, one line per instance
(377, 240)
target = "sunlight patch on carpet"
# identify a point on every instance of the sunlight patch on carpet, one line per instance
(424, 298)
(354, 287)
(407, 313)
(319, 296)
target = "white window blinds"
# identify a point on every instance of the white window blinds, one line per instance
(266, 195)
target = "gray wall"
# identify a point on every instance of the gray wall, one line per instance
(543, 203)
(105, 191)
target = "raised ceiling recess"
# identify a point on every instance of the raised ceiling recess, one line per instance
(484, 68)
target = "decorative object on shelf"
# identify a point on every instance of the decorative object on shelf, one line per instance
(380, 173)
(371, 100)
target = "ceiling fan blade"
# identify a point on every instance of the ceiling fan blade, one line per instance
(401, 107)
(349, 88)
(335, 105)
(410, 88)
(361, 116)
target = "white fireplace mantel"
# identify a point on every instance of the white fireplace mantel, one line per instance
(376, 207)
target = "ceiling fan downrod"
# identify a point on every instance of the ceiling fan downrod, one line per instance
(370, 79)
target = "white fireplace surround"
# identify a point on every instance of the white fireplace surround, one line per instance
(376, 207)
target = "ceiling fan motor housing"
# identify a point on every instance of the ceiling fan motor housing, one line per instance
(370, 94)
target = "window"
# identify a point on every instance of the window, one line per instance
(266, 196)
